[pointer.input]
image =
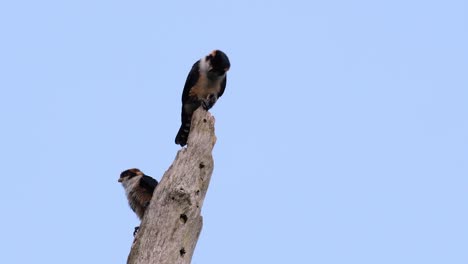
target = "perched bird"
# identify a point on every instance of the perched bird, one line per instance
(205, 83)
(139, 189)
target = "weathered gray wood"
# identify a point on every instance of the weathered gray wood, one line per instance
(172, 224)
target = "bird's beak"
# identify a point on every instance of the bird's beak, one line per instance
(120, 180)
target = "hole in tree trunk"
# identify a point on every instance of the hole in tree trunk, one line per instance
(184, 218)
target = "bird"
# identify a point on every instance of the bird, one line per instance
(205, 84)
(139, 189)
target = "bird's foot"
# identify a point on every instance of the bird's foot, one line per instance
(205, 105)
(136, 230)
(209, 102)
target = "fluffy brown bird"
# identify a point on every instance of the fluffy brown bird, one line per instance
(205, 84)
(139, 189)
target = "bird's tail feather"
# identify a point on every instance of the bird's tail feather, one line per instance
(182, 135)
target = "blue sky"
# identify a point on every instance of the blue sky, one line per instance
(342, 134)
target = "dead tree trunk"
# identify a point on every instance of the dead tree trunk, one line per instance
(170, 228)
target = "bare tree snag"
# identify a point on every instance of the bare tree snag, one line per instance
(172, 224)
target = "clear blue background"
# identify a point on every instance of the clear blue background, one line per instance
(342, 134)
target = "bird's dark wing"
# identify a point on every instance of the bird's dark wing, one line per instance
(223, 86)
(148, 183)
(192, 79)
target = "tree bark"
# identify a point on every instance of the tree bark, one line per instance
(172, 223)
